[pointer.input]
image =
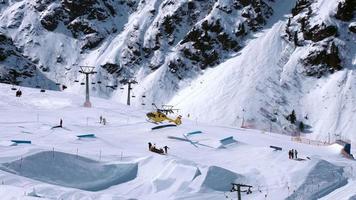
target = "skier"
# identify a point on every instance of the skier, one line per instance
(292, 155)
(101, 119)
(165, 149)
(60, 123)
(149, 146)
(295, 154)
(104, 121)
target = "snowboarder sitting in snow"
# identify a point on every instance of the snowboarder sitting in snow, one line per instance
(156, 150)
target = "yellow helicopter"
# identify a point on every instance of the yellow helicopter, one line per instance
(160, 115)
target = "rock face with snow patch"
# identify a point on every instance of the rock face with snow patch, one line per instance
(71, 171)
(321, 180)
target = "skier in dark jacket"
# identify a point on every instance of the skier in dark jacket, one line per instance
(149, 146)
(165, 149)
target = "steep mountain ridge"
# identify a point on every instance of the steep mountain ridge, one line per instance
(172, 47)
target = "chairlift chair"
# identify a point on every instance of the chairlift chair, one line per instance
(76, 81)
(82, 83)
(99, 82)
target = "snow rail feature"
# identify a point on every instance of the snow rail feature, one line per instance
(162, 126)
(193, 133)
(21, 141)
(86, 136)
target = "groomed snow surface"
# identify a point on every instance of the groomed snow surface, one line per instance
(116, 163)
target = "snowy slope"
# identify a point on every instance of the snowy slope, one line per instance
(266, 81)
(204, 171)
(223, 61)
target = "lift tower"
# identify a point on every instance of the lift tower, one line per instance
(87, 70)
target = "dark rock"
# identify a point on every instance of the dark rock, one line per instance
(92, 40)
(352, 27)
(319, 62)
(320, 32)
(300, 6)
(112, 68)
(51, 19)
(345, 10)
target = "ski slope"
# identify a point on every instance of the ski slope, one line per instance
(58, 165)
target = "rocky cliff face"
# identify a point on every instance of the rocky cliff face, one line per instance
(200, 33)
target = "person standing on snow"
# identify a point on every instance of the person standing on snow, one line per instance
(165, 149)
(101, 119)
(104, 121)
(295, 154)
(292, 154)
(149, 146)
(61, 123)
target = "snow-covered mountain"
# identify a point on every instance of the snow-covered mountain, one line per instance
(222, 61)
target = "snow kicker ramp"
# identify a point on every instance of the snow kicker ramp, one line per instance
(220, 179)
(71, 171)
(321, 180)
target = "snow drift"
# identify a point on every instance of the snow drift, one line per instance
(71, 171)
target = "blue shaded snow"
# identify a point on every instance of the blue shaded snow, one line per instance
(71, 171)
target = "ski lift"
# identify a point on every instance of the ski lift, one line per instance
(93, 83)
(76, 81)
(99, 82)
(82, 83)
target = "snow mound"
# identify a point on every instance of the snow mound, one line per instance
(175, 176)
(321, 180)
(71, 171)
(220, 179)
(353, 197)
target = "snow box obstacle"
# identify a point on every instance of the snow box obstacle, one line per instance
(227, 141)
(71, 171)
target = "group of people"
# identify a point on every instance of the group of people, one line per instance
(18, 93)
(153, 148)
(293, 154)
(102, 120)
